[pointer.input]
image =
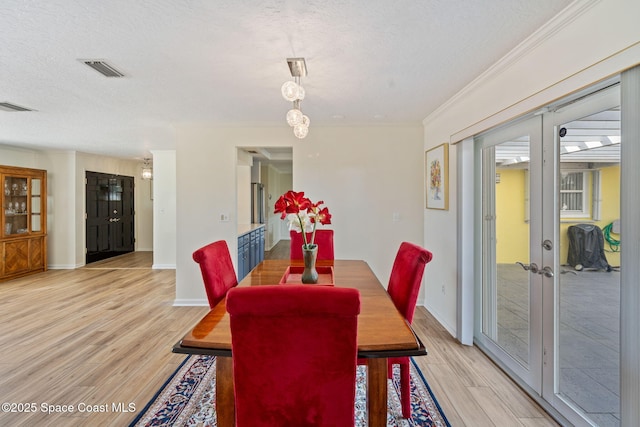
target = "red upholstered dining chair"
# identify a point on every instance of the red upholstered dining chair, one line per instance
(324, 240)
(294, 353)
(404, 286)
(217, 270)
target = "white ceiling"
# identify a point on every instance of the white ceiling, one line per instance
(223, 62)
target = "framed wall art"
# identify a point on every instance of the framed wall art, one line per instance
(437, 177)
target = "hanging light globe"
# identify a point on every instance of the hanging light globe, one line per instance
(294, 117)
(290, 90)
(300, 131)
(301, 93)
(305, 120)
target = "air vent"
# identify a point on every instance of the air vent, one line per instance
(103, 68)
(7, 106)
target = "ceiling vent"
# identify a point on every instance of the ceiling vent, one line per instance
(7, 106)
(102, 67)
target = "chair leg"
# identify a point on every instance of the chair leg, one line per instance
(405, 389)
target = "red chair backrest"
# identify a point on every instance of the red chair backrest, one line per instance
(324, 240)
(406, 277)
(294, 354)
(217, 270)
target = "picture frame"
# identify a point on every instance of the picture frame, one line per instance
(436, 161)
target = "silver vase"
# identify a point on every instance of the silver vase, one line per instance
(310, 275)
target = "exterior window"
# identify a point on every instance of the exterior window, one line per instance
(574, 202)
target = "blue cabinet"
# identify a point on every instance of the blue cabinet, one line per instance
(261, 246)
(250, 251)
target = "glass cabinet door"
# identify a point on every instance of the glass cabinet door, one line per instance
(36, 203)
(16, 205)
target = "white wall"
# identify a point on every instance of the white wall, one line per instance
(571, 52)
(245, 161)
(13, 156)
(365, 175)
(348, 168)
(144, 211)
(61, 207)
(164, 209)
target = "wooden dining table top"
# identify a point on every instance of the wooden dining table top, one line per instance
(382, 330)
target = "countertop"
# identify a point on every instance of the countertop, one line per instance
(247, 228)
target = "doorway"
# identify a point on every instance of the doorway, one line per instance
(552, 322)
(109, 216)
(273, 168)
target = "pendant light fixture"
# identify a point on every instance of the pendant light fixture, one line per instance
(292, 91)
(147, 171)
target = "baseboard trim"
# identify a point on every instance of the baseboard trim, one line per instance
(63, 266)
(440, 320)
(190, 302)
(163, 267)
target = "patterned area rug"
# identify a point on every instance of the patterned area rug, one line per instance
(188, 399)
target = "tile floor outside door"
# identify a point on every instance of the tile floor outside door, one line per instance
(589, 335)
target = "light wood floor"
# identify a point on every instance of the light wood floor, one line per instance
(102, 335)
(471, 390)
(281, 250)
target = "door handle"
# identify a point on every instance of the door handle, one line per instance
(533, 267)
(546, 271)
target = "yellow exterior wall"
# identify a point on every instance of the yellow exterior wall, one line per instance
(512, 232)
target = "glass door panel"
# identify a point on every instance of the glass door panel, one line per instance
(15, 209)
(587, 345)
(510, 331)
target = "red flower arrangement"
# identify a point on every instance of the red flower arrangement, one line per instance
(303, 214)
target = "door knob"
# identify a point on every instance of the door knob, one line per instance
(546, 271)
(533, 267)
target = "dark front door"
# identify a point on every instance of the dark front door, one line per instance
(110, 214)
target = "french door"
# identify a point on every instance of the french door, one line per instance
(549, 301)
(109, 216)
(510, 326)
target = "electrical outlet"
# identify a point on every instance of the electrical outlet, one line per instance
(224, 217)
(443, 292)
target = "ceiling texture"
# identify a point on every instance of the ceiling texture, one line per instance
(223, 62)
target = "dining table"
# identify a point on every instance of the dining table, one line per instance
(382, 331)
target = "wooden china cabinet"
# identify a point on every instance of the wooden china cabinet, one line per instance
(23, 237)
